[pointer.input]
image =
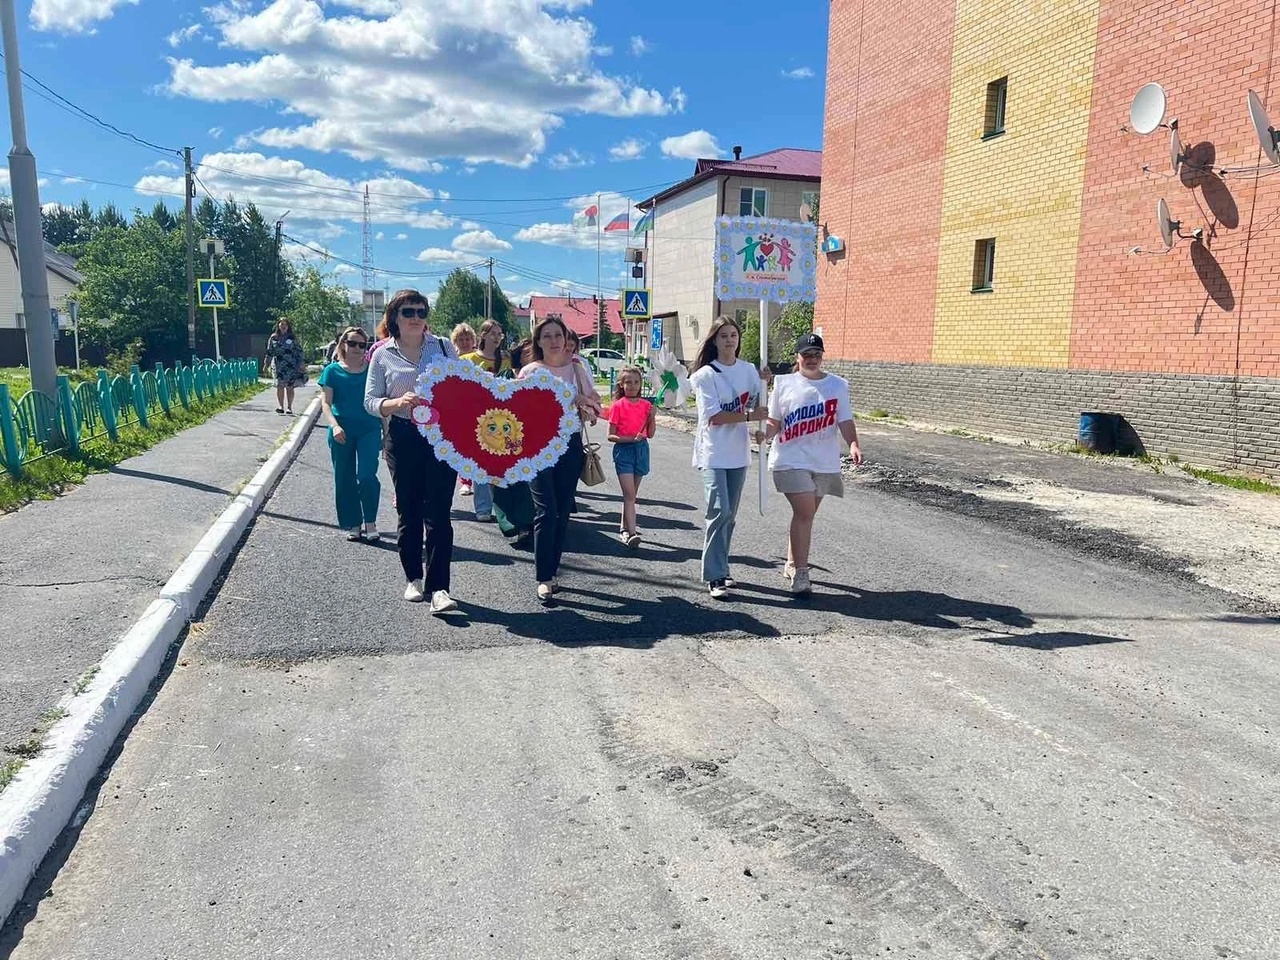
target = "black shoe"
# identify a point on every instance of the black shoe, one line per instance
(718, 590)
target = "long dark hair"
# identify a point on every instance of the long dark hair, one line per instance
(522, 354)
(537, 332)
(707, 350)
(391, 316)
(492, 326)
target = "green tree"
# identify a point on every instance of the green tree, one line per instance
(461, 298)
(795, 320)
(259, 284)
(109, 216)
(135, 286)
(317, 308)
(161, 215)
(62, 227)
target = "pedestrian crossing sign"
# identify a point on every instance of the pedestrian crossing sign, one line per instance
(214, 293)
(635, 304)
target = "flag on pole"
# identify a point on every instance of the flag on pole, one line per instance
(588, 217)
(621, 222)
(644, 224)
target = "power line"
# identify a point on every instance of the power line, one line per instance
(330, 255)
(95, 119)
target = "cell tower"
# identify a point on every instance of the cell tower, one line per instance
(373, 300)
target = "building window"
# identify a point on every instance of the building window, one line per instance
(753, 202)
(984, 264)
(997, 94)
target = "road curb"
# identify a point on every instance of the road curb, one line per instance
(41, 800)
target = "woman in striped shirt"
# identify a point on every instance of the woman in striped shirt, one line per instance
(423, 483)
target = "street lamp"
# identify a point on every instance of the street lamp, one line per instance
(213, 248)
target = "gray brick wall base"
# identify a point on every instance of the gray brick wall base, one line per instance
(1219, 421)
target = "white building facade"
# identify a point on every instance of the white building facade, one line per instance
(681, 244)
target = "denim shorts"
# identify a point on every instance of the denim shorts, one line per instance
(631, 458)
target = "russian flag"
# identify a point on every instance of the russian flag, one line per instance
(621, 222)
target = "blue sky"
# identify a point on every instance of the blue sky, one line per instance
(481, 126)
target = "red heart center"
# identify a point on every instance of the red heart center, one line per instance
(493, 433)
(766, 248)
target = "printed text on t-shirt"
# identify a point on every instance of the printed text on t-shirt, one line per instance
(812, 418)
(736, 404)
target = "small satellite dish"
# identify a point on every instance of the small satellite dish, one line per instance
(1146, 113)
(806, 213)
(1268, 136)
(1167, 226)
(1176, 156)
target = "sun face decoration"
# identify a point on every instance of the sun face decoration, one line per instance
(498, 431)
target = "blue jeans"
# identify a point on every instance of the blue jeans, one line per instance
(723, 489)
(355, 476)
(483, 498)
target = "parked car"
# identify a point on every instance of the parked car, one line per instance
(604, 360)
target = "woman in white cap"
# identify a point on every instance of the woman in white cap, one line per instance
(809, 413)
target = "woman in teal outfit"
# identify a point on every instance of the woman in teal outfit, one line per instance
(355, 437)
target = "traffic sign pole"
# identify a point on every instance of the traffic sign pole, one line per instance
(217, 340)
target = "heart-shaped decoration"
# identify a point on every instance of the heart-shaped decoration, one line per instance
(493, 430)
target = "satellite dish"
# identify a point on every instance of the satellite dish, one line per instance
(806, 213)
(1268, 136)
(1146, 113)
(1167, 226)
(1176, 156)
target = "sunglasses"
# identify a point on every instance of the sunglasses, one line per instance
(358, 343)
(419, 312)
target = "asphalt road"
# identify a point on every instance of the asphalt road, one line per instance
(971, 742)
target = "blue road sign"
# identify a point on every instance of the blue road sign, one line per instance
(655, 333)
(635, 304)
(213, 293)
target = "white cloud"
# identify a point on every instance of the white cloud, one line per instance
(629, 149)
(379, 235)
(73, 16)
(165, 165)
(799, 73)
(441, 255)
(480, 81)
(479, 241)
(640, 46)
(179, 37)
(566, 234)
(402, 236)
(277, 185)
(216, 132)
(691, 146)
(569, 160)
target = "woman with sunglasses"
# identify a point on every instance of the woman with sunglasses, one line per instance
(355, 437)
(423, 483)
(553, 488)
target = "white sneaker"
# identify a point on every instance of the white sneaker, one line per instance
(718, 590)
(730, 582)
(800, 581)
(789, 570)
(545, 590)
(371, 531)
(355, 534)
(441, 602)
(413, 592)
(625, 537)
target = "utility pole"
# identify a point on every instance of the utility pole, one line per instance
(191, 253)
(27, 222)
(488, 294)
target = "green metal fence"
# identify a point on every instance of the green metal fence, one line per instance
(38, 425)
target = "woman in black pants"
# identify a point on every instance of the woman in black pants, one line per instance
(423, 484)
(553, 488)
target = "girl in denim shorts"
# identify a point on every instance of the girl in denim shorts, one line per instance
(631, 423)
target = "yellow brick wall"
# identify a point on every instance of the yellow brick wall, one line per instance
(1022, 188)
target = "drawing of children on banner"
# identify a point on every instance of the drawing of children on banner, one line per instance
(760, 256)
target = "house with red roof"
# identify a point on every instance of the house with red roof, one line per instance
(520, 318)
(680, 246)
(578, 313)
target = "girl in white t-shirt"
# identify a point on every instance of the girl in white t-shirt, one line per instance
(728, 394)
(809, 412)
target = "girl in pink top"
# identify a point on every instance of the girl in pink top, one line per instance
(631, 423)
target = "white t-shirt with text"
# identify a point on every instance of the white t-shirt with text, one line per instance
(810, 412)
(721, 388)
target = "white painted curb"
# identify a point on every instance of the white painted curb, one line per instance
(44, 796)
